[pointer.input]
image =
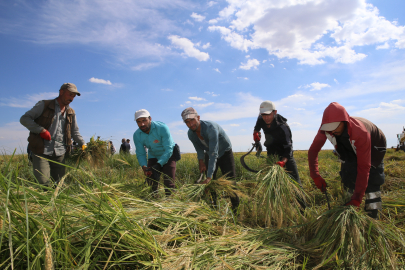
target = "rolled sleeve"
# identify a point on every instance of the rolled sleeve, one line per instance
(75, 132)
(140, 150)
(27, 120)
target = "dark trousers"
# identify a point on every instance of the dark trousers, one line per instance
(227, 165)
(169, 175)
(44, 169)
(373, 203)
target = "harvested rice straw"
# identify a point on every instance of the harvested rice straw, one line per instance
(278, 196)
(353, 238)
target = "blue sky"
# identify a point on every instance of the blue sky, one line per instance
(221, 57)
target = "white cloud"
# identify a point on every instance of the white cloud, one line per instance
(316, 86)
(206, 46)
(218, 61)
(336, 81)
(144, 66)
(103, 26)
(13, 136)
(188, 47)
(384, 46)
(27, 101)
(271, 65)
(196, 98)
(247, 56)
(264, 61)
(197, 17)
(236, 40)
(297, 29)
(211, 3)
(234, 125)
(384, 111)
(243, 78)
(213, 21)
(95, 80)
(203, 105)
(211, 93)
(217, 70)
(251, 63)
(188, 102)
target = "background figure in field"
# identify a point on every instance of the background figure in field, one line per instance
(214, 149)
(360, 146)
(278, 139)
(112, 148)
(124, 149)
(130, 146)
(52, 124)
(163, 152)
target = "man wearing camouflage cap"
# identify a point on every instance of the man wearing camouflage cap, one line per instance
(214, 149)
(52, 125)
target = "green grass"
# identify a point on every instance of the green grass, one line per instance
(103, 217)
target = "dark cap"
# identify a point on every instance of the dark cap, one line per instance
(71, 87)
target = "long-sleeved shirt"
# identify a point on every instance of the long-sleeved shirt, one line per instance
(216, 140)
(278, 136)
(57, 129)
(159, 141)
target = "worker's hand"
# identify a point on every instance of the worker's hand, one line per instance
(281, 163)
(202, 166)
(84, 146)
(206, 181)
(147, 171)
(353, 202)
(256, 136)
(320, 183)
(45, 135)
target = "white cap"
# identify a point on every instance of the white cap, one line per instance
(267, 107)
(330, 126)
(141, 113)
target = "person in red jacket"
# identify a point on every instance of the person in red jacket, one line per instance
(360, 146)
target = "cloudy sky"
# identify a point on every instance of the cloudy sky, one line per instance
(221, 57)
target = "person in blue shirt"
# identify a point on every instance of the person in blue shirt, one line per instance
(214, 149)
(156, 137)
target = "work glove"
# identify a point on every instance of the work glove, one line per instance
(320, 183)
(355, 200)
(256, 136)
(84, 146)
(45, 135)
(281, 163)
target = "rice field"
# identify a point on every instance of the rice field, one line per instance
(102, 216)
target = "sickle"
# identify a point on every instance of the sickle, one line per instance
(242, 161)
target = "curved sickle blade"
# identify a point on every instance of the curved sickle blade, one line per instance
(242, 161)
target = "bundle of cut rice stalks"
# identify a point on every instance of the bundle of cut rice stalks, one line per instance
(280, 198)
(221, 186)
(350, 239)
(95, 153)
(238, 251)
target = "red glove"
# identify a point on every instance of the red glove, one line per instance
(353, 202)
(281, 163)
(256, 136)
(320, 183)
(45, 135)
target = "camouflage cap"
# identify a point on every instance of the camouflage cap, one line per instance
(71, 87)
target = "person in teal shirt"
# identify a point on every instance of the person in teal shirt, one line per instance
(161, 157)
